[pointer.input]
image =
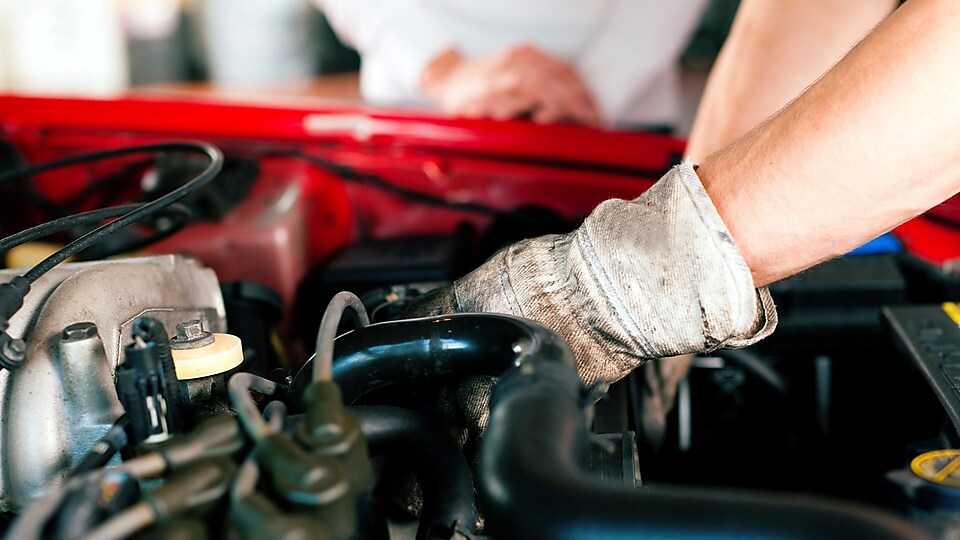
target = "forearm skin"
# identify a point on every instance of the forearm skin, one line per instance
(870, 145)
(774, 51)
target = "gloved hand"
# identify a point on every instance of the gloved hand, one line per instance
(654, 277)
(649, 278)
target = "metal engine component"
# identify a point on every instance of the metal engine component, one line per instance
(75, 322)
(191, 335)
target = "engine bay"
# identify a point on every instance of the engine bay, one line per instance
(225, 352)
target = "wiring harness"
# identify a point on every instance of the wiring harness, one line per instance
(12, 293)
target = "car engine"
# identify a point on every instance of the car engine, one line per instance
(188, 359)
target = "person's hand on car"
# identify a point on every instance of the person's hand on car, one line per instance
(519, 82)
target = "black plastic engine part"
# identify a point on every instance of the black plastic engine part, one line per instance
(929, 337)
(426, 350)
(533, 486)
(441, 469)
(252, 311)
(837, 304)
(213, 203)
(147, 384)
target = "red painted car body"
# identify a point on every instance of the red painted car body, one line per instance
(298, 214)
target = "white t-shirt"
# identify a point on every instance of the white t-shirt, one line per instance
(625, 50)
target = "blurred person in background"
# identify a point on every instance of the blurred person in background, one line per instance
(585, 61)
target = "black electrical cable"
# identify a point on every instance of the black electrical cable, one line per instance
(146, 210)
(352, 175)
(180, 216)
(114, 440)
(179, 211)
(106, 187)
(64, 223)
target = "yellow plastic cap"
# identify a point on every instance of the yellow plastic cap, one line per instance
(224, 354)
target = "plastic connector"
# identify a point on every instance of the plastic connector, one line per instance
(218, 436)
(316, 486)
(193, 489)
(254, 517)
(147, 385)
(328, 429)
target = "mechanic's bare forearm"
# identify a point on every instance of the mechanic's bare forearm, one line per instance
(775, 50)
(870, 145)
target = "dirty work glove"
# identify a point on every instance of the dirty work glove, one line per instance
(654, 277)
(649, 278)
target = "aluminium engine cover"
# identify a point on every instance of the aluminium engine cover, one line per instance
(63, 398)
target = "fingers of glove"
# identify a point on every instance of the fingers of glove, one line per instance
(463, 407)
(440, 301)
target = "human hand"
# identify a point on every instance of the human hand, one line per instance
(655, 277)
(520, 81)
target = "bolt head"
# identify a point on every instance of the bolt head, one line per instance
(15, 349)
(191, 335)
(79, 331)
(189, 330)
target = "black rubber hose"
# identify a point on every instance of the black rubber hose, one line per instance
(430, 349)
(533, 486)
(532, 457)
(439, 465)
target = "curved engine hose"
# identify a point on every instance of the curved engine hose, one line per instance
(125, 524)
(440, 467)
(275, 415)
(239, 387)
(341, 303)
(432, 348)
(533, 486)
(85, 508)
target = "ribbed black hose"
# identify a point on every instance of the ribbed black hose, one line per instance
(439, 465)
(533, 486)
